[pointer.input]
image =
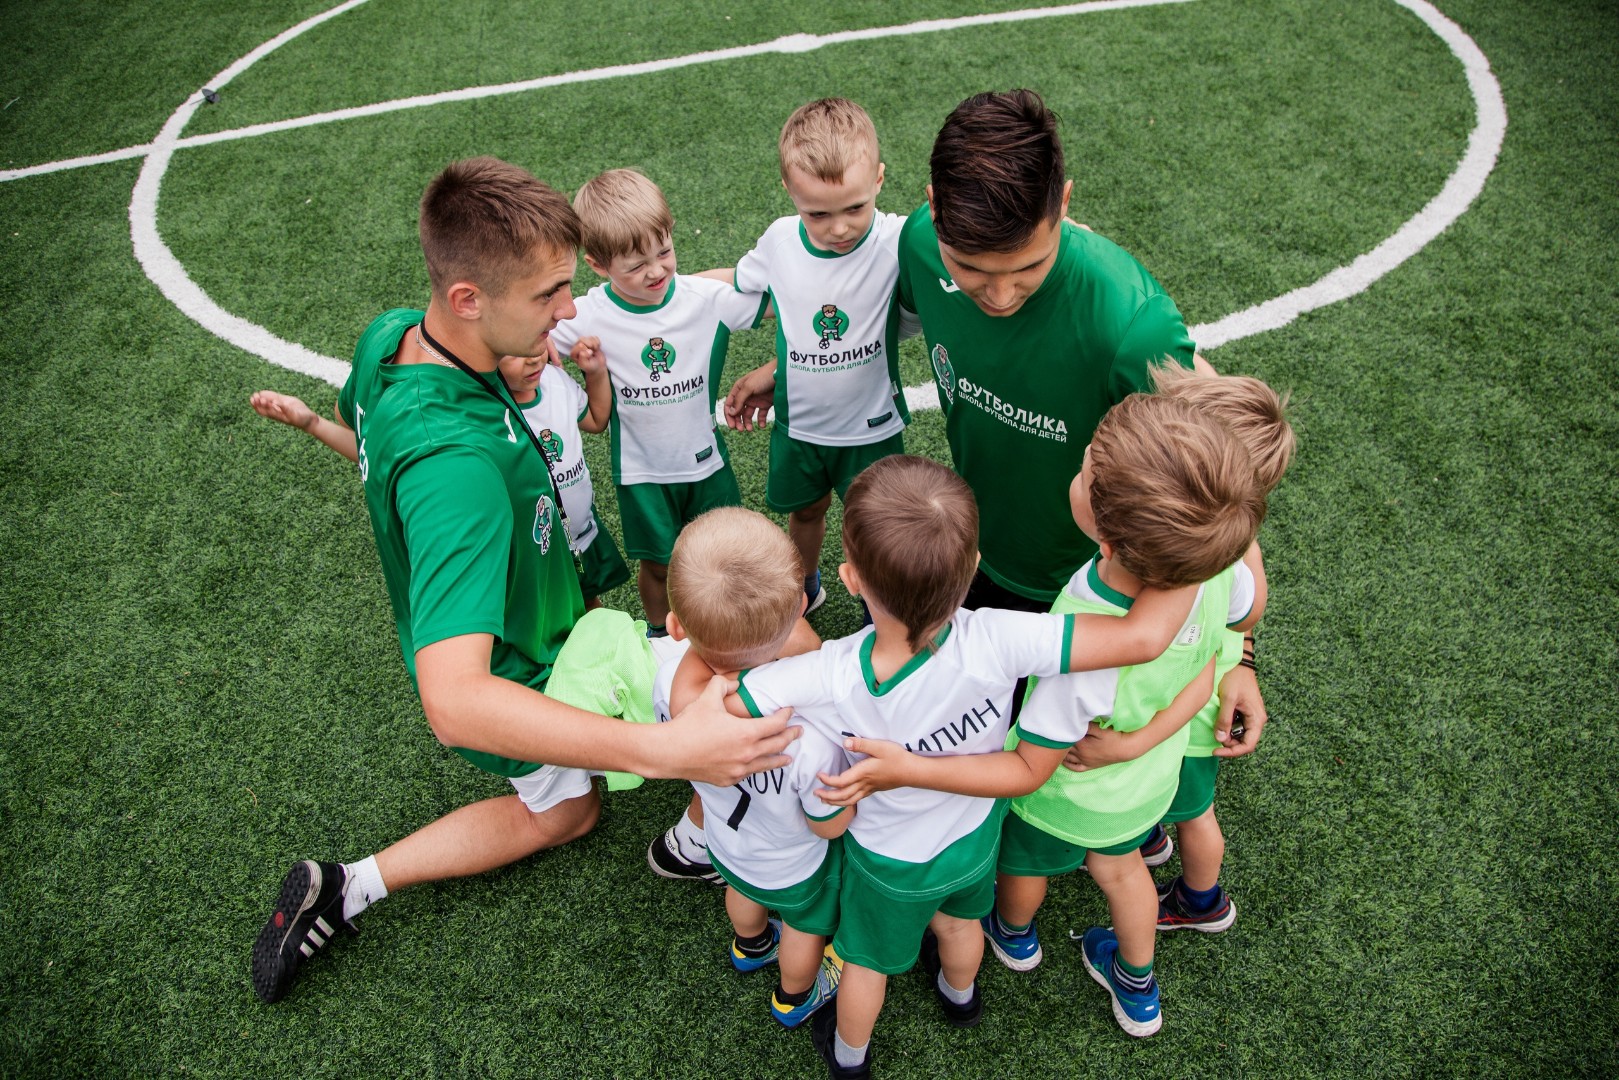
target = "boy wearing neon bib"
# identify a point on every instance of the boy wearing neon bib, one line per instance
(736, 597)
(932, 675)
(665, 338)
(557, 410)
(830, 271)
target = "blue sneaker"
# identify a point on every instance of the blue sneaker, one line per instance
(1020, 952)
(743, 962)
(814, 593)
(1158, 847)
(1137, 1014)
(822, 993)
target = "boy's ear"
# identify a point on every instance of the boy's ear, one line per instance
(850, 579)
(672, 624)
(1105, 548)
(882, 169)
(595, 267)
(465, 300)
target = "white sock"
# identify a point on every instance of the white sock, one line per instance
(693, 844)
(365, 887)
(848, 1056)
(956, 997)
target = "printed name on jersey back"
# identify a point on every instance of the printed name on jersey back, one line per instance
(943, 739)
(768, 782)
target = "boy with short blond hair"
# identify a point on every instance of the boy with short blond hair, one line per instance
(1194, 900)
(830, 269)
(665, 337)
(735, 594)
(935, 676)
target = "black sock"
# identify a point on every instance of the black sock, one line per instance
(799, 998)
(757, 946)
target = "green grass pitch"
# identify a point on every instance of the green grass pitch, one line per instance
(199, 680)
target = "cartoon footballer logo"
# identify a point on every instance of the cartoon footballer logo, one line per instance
(659, 357)
(944, 373)
(551, 444)
(543, 512)
(830, 324)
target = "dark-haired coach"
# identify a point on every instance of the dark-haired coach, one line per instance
(1035, 328)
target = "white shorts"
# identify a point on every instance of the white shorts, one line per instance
(551, 785)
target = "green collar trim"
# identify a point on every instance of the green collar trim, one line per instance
(642, 309)
(910, 665)
(803, 236)
(1093, 575)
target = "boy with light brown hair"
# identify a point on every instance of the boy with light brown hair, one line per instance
(665, 337)
(931, 675)
(735, 594)
(830, 269)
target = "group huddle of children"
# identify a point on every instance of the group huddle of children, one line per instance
(888, 837)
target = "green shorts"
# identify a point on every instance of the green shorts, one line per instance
(879, 932)
(1027, 851)
(801, 473)
(1196, 793)
(811, 906)
(654, 514)
(601, 567)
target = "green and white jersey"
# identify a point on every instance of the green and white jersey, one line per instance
(378, 345)
(665, 362)
(1109, 805)
(554, 414)
(955, 698)
(466, 526)
(756, 828)
(1022, 394)
(837, 356)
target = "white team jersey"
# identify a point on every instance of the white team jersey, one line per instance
(554, 417)
(757, 829)
(665, 363)
(1061, 709)
(955, 701)
(837, 372)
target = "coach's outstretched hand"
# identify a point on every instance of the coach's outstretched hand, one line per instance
(706, 743)
(750, 398)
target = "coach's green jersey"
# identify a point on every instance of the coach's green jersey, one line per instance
(1108, 805)
(376, 347)
(467, 527)
(1022, 394)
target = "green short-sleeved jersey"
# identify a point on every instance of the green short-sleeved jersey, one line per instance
(376, 347)
(467, 528)
(1022, 394)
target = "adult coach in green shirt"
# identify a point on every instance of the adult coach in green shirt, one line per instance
(475, 553)
(1035, 327)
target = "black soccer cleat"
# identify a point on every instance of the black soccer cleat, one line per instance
(666, 860)
(307, 915)
(961, 1016)
(823, 1033)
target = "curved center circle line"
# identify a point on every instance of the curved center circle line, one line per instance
(1458, 193)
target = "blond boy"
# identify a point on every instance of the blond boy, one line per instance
(735, 594)
(665, 337)
(830, 269)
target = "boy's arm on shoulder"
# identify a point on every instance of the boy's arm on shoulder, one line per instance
(1001, 774)
(286, 409)
(727, 274)
(1150, 626)
(1103, 746)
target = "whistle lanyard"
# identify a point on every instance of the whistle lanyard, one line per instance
(426, 340)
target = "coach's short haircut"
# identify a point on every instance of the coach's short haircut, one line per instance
(1172, 491)
(1255, 413)
(622, 213)
(910, 529)
(826, 137)
(735, 586)
(997, 172)
(484, 220)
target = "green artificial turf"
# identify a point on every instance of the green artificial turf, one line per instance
(199, 680)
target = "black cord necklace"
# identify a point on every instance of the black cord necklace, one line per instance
(445, 356)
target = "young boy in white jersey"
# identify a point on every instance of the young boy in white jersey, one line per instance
(735, 594)
(555, 408)
(1169, 494)
(932, 675)
(830, 271)
(664, 337)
